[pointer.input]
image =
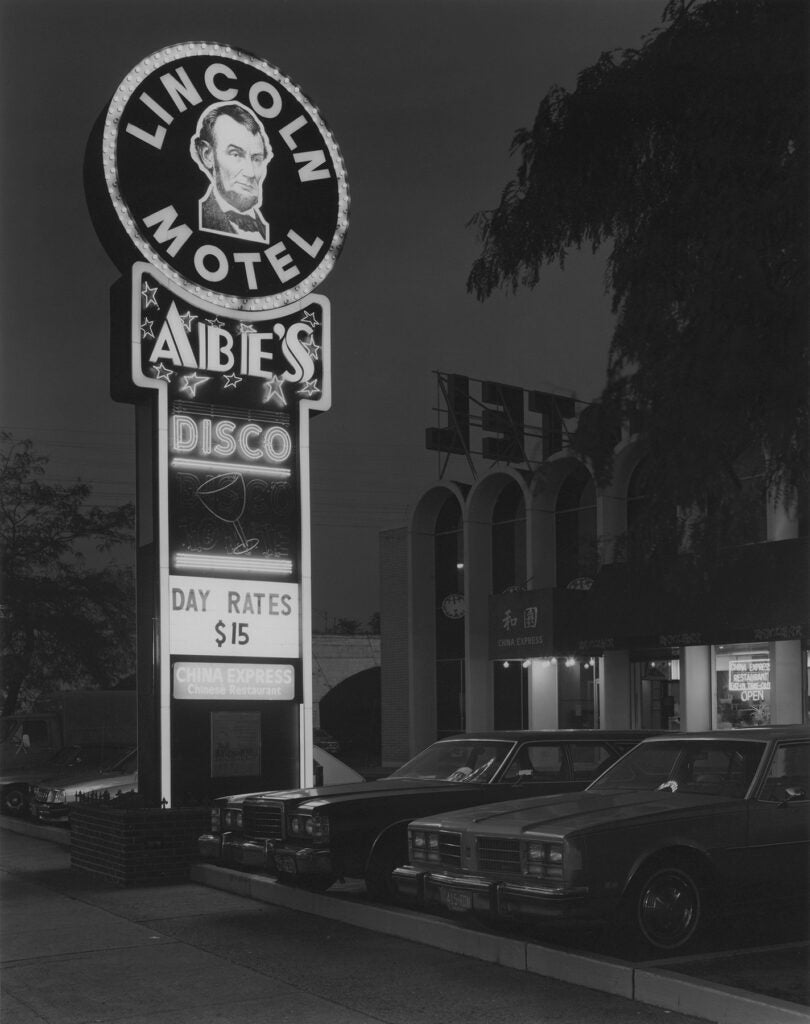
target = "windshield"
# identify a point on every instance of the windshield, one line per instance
(712, 767)
(88, 757)
(457, 760)
(124, 765)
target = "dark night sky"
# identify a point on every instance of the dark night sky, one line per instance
(423, 97)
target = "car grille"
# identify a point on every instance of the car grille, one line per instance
(41, 794)
(499, 855)
(450, 849)
(263, 820)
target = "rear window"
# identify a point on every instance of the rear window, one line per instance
(590, 759)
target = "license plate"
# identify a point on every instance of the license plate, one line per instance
(285, 864)
(457, 901)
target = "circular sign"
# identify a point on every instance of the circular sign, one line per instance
(225, 177)
(453, 606)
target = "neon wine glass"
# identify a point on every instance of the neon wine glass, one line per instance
(224, 497)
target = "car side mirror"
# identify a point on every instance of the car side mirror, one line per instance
(524, 773)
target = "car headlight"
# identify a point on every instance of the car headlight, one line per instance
(232, 818)
(309, 826)
(544, 860)
(424, 845)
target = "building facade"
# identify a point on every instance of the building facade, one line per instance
(511, 602)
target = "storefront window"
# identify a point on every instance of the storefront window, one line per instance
(743, 682)
(511, 703)
(575, 681)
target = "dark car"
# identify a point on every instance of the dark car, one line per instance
(679, 822)
(313, 837)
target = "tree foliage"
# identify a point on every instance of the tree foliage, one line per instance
(686, 159)
(68, 607)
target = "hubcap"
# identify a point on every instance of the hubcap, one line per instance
(669, 909)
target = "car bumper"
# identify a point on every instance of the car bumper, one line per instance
(209, 846)
(51, 813)
(236, 851)
(303, 861)
(472, 893)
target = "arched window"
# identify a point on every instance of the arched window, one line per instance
(575, 521)
(450, 611)
(638, 501)
(509, 539)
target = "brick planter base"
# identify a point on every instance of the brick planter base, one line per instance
(136, 846)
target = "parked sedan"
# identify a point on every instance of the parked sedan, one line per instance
(677, 822)
(312, 837)
(16, 786)
(54, 796)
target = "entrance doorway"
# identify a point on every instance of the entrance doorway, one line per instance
(656, 692)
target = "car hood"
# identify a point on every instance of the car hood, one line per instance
(81, 784)
(565, 814)
(380, 789)
(35, 775)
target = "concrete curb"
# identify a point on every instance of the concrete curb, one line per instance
(706, 1000)
(48, 833)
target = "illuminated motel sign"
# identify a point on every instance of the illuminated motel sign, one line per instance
(222, 195)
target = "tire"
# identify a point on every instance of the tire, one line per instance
(666, 905)
(14, 801)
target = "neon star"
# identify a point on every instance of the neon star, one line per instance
(312, 347)
(216, 322)
(148, 294)
(231, 380)
(309, 389)
(147, 328)
(191, 382)
(188, 319)
(244, 328)
(273, 388)
(163, 372)
(310, 319)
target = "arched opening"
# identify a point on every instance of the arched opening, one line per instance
(449, 617)
(509, 539)
(350, 712)
(575, 521)
(510, 679)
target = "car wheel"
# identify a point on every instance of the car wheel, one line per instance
(667, 905)
(14, 801)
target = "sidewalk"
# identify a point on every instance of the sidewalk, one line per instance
(76, 950)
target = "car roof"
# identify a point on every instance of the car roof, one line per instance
(761, 733)
(514, 735)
